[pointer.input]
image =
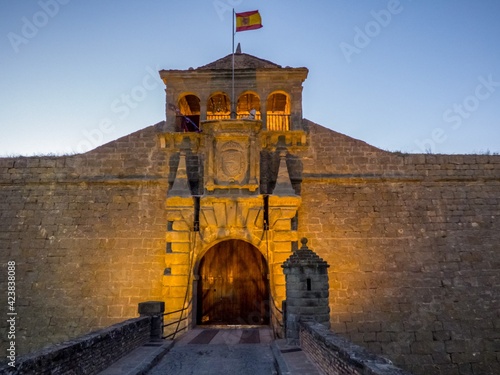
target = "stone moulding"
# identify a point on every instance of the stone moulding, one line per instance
(175, 141)
(294, 140)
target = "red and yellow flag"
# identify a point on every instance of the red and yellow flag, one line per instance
(248, 21)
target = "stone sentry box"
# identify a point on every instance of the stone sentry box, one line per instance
(307, 287)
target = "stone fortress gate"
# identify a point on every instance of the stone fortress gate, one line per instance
(202, 210)
(232, 207)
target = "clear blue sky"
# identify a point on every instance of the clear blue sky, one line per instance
(412, 76)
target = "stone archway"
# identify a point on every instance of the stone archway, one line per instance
(233, 286)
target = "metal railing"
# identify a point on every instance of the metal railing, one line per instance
(277, 320)
(228, 117)
(178, 322)
(278, 122)
(218, 117)
(247, 116)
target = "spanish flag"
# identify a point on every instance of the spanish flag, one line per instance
(248, 21)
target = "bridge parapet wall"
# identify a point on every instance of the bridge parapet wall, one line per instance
(87, 354)
(336, 355)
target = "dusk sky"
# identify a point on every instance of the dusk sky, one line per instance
(414, 76)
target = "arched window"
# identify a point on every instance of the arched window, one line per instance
(219, 107)
(278, 111)
(188, 113)
(247, 102)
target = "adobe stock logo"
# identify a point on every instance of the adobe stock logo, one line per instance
(32, 25)
(364, 36)
(224, 6)
(456, 114)
(460, 111)
(121, 107)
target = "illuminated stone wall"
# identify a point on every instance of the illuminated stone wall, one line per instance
(230, 205)
(413, 244)
(87, 233)
(412, 241)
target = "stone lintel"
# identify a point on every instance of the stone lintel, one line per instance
(151, 307)
(253, 201)
(284, 202)
(186, 140)
(177, 203)
(250, 187)
(231, 212)
(228, 129)
(293, 140)
(175, 77)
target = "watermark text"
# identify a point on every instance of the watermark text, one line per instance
(122, 106)
(31, 26)
(455, 116)
(364, 36)
(11, 313)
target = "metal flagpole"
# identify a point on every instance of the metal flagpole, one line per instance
(233, 108)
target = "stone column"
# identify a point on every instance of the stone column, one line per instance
(296, 108)
(170, 115)
(306, 278)
(263, 111)
(155, 310)
(203, 107)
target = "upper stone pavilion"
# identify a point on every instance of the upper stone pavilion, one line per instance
(210, 93)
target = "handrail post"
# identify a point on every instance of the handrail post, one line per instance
(155, 310)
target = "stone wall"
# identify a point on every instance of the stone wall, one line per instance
(88, 354)
(413, 247)
(335, 355)
(87, 233)
(412, 242)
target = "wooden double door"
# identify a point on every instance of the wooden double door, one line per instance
(233, 287)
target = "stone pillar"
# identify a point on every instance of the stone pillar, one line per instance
(203, 110)
(306, 278)
(170, 115)
(155, 310)
(296, 107)
(263, 111)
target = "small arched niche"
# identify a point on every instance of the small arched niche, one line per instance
(219, 107)
(188, 116)
(247, 102)
(278, 111)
